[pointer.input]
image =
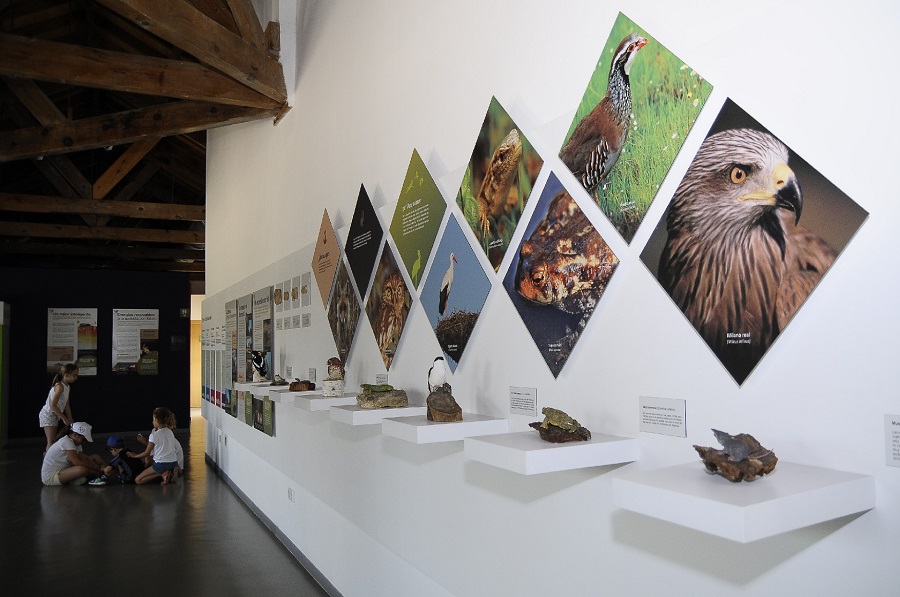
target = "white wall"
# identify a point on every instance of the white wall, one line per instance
(378, 516)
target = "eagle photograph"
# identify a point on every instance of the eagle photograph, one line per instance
(750, 232)
(639, 106)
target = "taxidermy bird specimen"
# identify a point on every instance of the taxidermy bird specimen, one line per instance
(735, 261)
(446, 284)
(437, 374)
(597, 141)
(498, 179)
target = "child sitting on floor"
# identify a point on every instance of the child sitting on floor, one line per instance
(122, 467)
(162, 446)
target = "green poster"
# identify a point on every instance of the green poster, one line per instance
(417, 218)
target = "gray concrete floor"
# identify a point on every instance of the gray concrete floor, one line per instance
(195, 537)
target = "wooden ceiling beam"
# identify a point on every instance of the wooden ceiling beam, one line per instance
(35, 100)
(146, 235)
(20, 202)
(174, 118)
(185, 27)
(248, 23)
(143, 252)
(122, 166)
(119, 71)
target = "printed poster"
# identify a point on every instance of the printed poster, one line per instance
(417, 218)
(497, 182)
(136, 341)
(559, 273)
(622, 161)
(765, 227)
(263, 334)
(363, 242)
(343, 312)
(326, 256)
(454, 292)
(72, 338)
(388, 305)
(244, 339)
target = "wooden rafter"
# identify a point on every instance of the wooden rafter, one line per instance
(147, 235)
(20, 202)
(174, 118)
(187, 28)
(118, 71)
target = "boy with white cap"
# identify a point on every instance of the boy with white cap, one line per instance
(66, 464)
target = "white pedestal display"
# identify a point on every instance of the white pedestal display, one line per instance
(526, 453)
(792, 497)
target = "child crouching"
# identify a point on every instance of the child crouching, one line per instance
(161, 445)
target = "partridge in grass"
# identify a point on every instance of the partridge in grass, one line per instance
(596, 143)
(736, 261)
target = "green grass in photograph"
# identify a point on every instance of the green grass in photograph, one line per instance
(667, 96)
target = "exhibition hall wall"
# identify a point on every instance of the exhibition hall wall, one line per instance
(369, 83)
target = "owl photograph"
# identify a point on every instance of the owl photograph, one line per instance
(343, 312)
(388, 305)
(635, 114)
(498, 181)
(748, 235)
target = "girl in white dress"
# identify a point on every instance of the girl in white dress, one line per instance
(57, 407)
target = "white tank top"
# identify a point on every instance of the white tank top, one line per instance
(63, 399)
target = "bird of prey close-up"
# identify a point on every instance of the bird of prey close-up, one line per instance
(596, 143)
(736, 261)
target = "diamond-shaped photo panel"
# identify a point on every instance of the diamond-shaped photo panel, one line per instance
(749, 234)
(417, 218)
(635, 114)
(343, 312)
(559, 274)
(388, 305)
(363, 241)
(454, 292)
(498, 182)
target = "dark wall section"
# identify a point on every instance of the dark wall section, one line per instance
(109, 402)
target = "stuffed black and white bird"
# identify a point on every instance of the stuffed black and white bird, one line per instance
(437, 374)
(596, 143)
(446, 284)
(736, 261)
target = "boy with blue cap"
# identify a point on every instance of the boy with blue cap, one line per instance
(121, 467)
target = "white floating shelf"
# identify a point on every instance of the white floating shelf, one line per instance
(420, 430)
(281, 394)
(353, 414)
(314, 401)
(526, 453)
(792, 497)
(251, 387)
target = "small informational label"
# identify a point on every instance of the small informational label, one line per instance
(296, 322)
(312, 374)
(381, 378)
(287, 323)
(663, 415)
(289, 372)
(307, 320)
(523, 401)
(279, 325)
(892, 439)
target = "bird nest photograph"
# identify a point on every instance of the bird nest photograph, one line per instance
(497, 182)
(454, 292)
(750, 232)
(634, 116)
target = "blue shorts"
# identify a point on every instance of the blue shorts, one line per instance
(161, 467)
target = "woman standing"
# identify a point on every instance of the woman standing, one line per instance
(57, 407)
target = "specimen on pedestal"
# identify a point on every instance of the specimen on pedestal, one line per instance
(381, 396)
(741, 458)
(442, 407)
(558, 427)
